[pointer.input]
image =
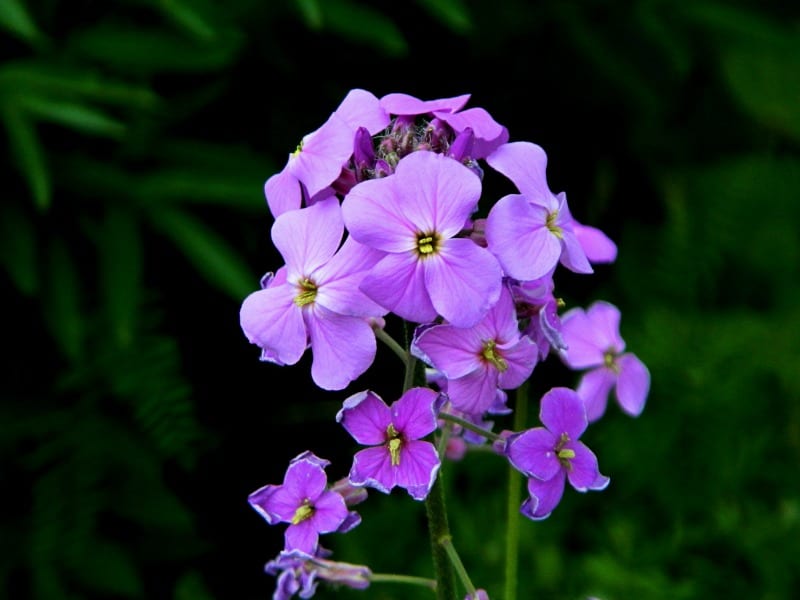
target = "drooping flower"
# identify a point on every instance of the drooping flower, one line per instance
(480, 359)
(413, 217)
(304, 502)
(319, 158)
(531, 232)
(538, 308)
(595, 345)
(552, 455)
(397, 455)
(314, 299)
(299, 573)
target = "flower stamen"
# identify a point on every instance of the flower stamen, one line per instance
(489, 354)
(308, 292)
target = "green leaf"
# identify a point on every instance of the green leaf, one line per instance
(188, 15)
(14, 18)
(18, 248)
(75, 116)
(62, 300)
(120, 253)
(196, 187)
(211, 255)
(366, 25)
(191, 587)
(148, 52)
(452, 13)
(109, 569)
(27, 150)
(312, 13)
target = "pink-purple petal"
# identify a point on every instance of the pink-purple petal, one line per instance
(271, 320)
(260, 500)
(403, 104)
(413, 414)
(572, 256)
(525, 164)
(366, 417)
(633, 384)
(419, 464)
(532, 452)
(302, 536)
(397, 283)
(283, 192)
(521, 358)
(562, 411)
(454, 351)
(584, 473)
(547, 493)
(597, 246)
(374, 216)
(475, 392)
(304, 479)
(309, 237)
(330, 512)
(463, 281)
(361, 108)
(605, 318)
(372, 467)
(594, 387)
(489, 134)
(343, 347)
(584, 348)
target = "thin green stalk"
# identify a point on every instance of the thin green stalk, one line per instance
(439, 531)
(471, 426)
(410, 579)
(458, 565)
(514, 496)
(392, 344)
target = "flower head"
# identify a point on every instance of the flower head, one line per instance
(397, 456)
(413, 218)
(595, 345)
(299, 573)
(304, 502)
(552, 455)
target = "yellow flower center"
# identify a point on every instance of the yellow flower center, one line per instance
(564, 454)
(610, 360)
(427, 244)
(298, 150)
(307, 293)
(551, 224)
(303, 512)
(395, 444)
(491, 355)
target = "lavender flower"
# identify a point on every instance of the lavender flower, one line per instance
(299, 573)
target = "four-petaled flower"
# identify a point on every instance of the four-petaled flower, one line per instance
(304, 502)
(594, 343)
(398, 457)
(551, 455)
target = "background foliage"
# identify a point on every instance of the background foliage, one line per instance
(134, 416)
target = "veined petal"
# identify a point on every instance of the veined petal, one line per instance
(597, 246)
(283, 192)
(339, 280)
(584, 347)
(366, 417)
(309, 237)
(548, 493)
(302, 536)
(330, 512)
(304, 479)
(413, 414)
(605, 318)
(261, 501)
(594, 387)
(372, 467)
(361, 108)
(463, 281)
(489, 134)
(374, 216)
(573, 256)
(475, 392)
(271, 320)
(517, 235)
(454, 351)
(419, 464)
(343, 347)
(403, 104)
(562, 411)
(501, 320)
(521, 358)
(525, 164)
(397, 283)
(323, 154)
(633, 384)
(532, 452)
(585, 473)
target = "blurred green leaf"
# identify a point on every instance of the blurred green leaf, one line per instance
(75, 116)
(18, 246)
(211, 255)
(14, 18)
(62, 306)
(120, 253)
(363, 24)
(195, 187)
(27, 150)
(312, 13)
(109, 569)
(452, 13)
(189, 16)
(149, 52)
(190, 586)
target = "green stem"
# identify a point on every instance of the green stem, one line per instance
(439, 532)
(393, 345)
(410, 579)
(458, 565)
(514, 496)
(471, 426)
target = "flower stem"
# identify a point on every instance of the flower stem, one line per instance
(514, 496)
(393, 345)
(410, 579)
(440, 534)
(458, 565)
(471, 426)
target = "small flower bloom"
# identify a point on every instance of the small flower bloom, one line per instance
(594, 343)
(413, 217)
(304, 502)
(478, 360)
(300, 573)
(480, 594)
(538, 308)
(551, 455)
(398, 457)
(531, 232)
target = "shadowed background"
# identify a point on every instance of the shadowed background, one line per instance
(134, 416)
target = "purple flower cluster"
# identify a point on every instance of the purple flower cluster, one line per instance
(377, 215)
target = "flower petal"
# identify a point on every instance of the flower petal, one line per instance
(271, 320)
(330, 512)
(283, 193)
(343, 348)
(397, 283)
(302, 536)
(366, 417)
(454, 351)
(562, 411)
(414, 414)
(633, 384)
(309, 237)
(419, 464)
(372, 467)
(532, 452)
(585, 348)
(475, 392)
(261, 501)
(597, 246)
(304, 479)
(403, 104)
(584, 473)
(605, 318)
(361, 108)
(594, 387)
(374, 216)
(525, 164)
(547, 493)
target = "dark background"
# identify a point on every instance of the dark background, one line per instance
(134, 416)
